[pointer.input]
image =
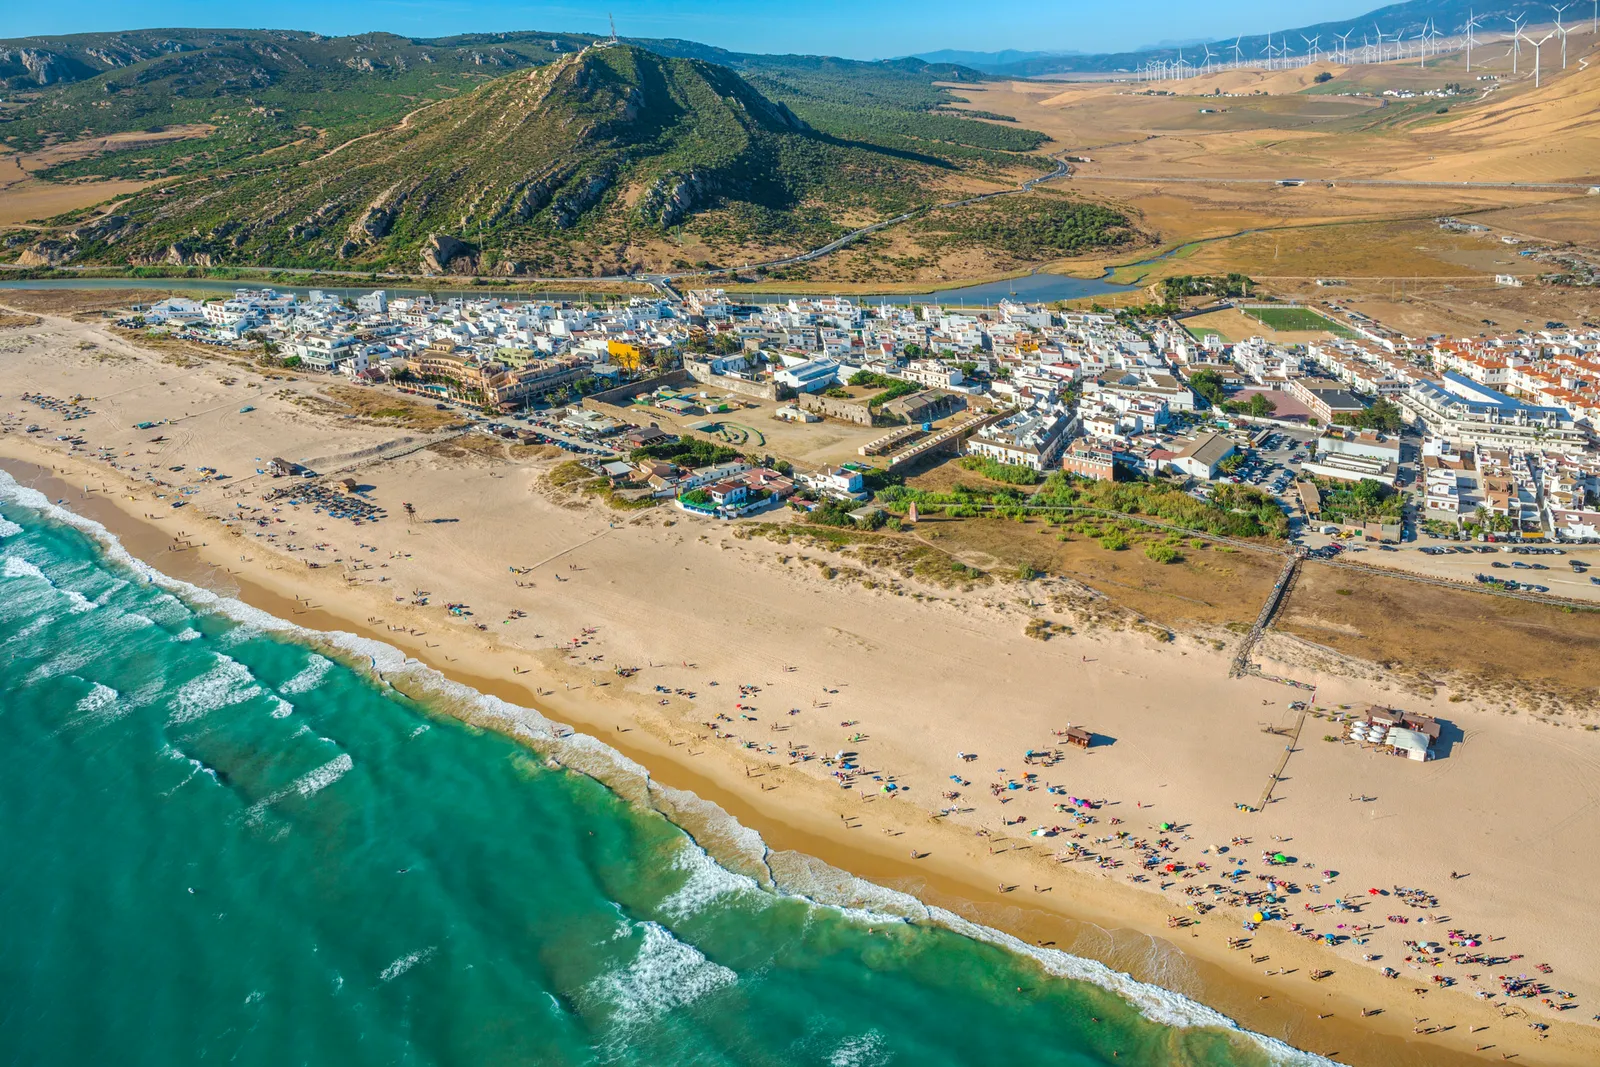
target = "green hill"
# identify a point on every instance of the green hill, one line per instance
(301, 93)
(573, 167)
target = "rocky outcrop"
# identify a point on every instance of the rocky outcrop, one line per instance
(53, 251)
(107, 228)
(567, 208)
(49, 252)
(675, 196)
(46, 68)
(376, 222)
(444, 254)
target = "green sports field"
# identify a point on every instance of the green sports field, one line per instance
(1296, 319)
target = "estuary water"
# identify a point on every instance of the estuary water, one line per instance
(227, 840)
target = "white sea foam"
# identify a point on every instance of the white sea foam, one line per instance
(102, 704)
(707, 882)
(309, 678)
(61, 663)
(128, 620)
(98, 699)
(227, 683)
(281, 708)
(665, 974)
(17, 567)
(186, 635)
(38, 623)
(313, 782)
(405, 963)
(8, 528)
(666, 955)
(862, 1050)
(307, 785)
(79, 603)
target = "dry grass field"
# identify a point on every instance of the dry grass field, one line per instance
(24, 198)
(1284, 124)
(1234, 326)
(1207, 587)
(1485, 640)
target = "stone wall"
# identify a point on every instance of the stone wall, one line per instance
(623, 395)
(768, 390)
(855, 411)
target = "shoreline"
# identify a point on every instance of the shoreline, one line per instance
(1094, 919)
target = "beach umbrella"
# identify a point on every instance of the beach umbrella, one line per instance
(1171, 868)
(1279, 857)
(1258, 917)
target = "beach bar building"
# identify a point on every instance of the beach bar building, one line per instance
(1409, 734)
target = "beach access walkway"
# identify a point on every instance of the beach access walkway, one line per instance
(1280, 589)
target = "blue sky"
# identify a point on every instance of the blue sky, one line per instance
(866, 29)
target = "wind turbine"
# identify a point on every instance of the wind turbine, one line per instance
(1472, 24)
(1312, 43)
(1380, 41)
(1562, 30)
(1238, 53)
(1516, 39)
(1536, 45)
(1422, 46)
(1344, 44)
(1209, 57)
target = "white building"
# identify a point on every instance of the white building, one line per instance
(1033, 439)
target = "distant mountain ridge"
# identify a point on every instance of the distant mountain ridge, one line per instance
(1448, 16)
(987, 60)
(46, 61)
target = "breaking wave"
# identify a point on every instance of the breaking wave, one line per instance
(665, 973)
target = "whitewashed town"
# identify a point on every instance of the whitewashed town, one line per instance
(1488, 438)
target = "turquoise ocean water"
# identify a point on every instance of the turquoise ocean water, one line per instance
(224, 840)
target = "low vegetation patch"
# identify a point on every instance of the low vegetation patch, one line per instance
(994, 470)
(1232, 511)
(1038, 226)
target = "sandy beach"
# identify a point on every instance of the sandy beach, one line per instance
(785, 662)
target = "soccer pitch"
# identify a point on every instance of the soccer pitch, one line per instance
(1296, 319)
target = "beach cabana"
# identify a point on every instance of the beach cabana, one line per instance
(1409, 743)
(1075, 736)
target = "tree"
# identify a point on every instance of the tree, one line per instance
(1259, 406)
(1368, 492)
(1209, 384)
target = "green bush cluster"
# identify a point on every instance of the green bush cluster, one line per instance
(1010, 473)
